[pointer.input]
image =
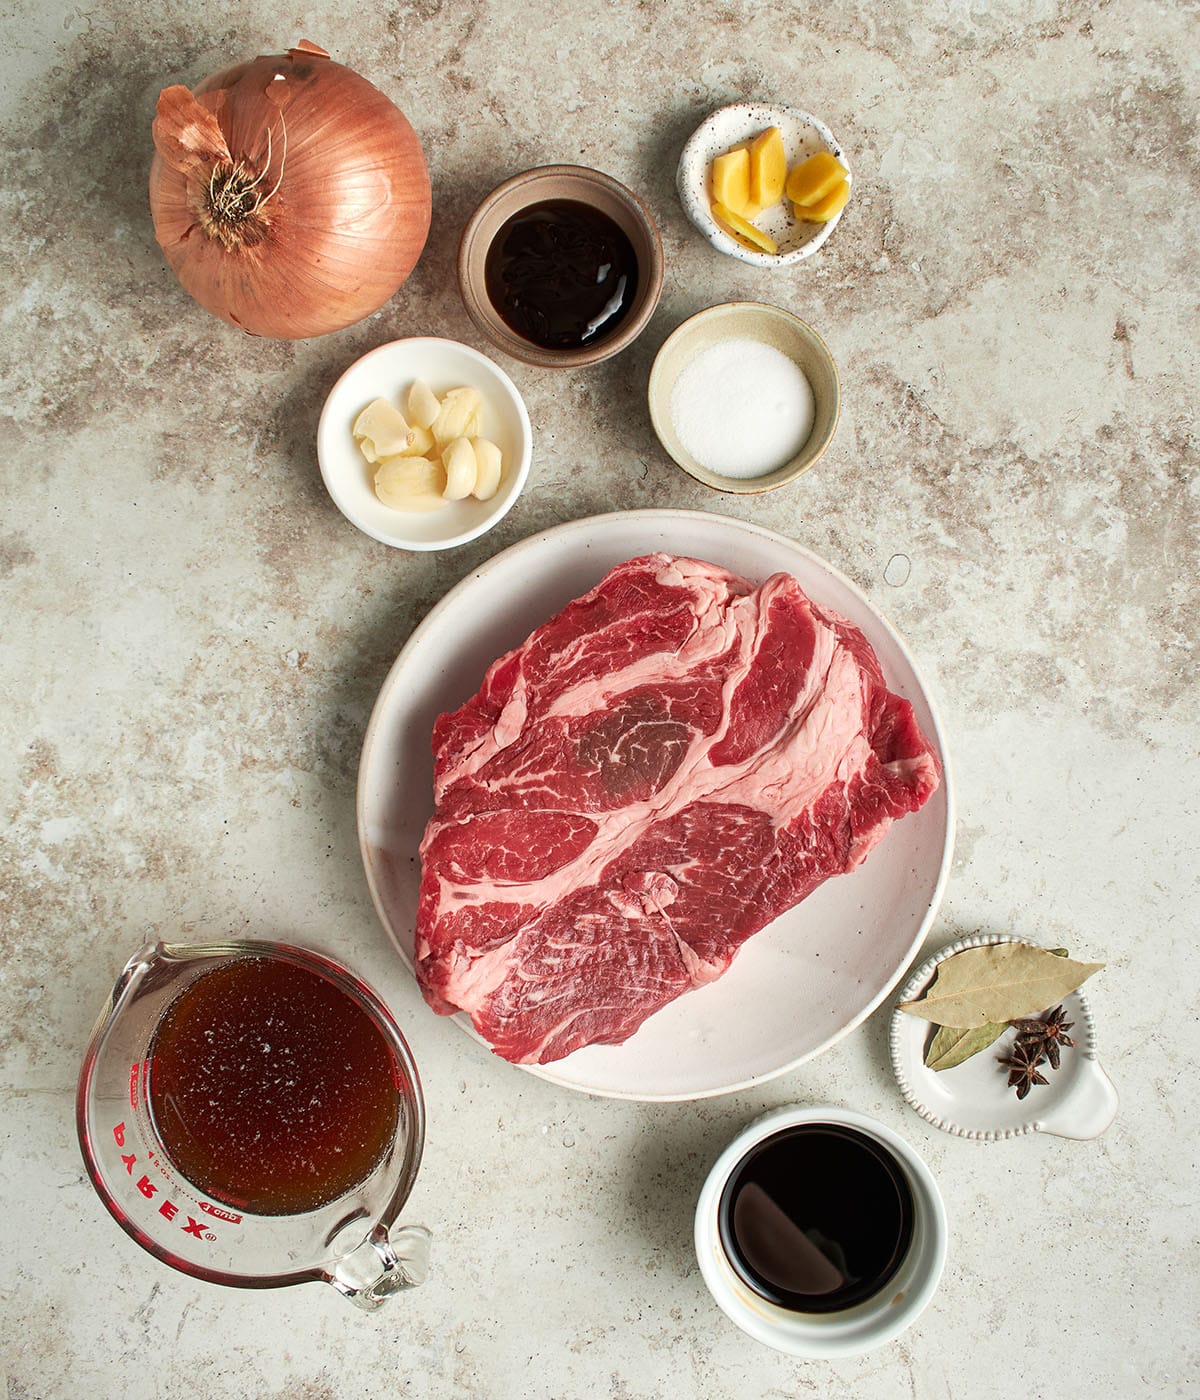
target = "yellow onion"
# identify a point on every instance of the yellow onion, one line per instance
(290, 196)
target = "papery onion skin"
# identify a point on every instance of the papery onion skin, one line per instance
(343, 202)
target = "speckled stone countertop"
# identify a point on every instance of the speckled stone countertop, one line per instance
(193, 638)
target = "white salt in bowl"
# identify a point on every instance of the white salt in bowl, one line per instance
(675, 416)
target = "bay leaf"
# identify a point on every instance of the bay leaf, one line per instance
(1000, 982)
(951, 1045)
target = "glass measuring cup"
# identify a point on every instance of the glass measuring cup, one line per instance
(348, 1241)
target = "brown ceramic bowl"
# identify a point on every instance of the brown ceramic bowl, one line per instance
(583, 186)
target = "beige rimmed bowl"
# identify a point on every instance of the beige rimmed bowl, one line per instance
(769, 325)
(583, 186)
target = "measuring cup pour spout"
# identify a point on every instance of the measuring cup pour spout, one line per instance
(228, 1217)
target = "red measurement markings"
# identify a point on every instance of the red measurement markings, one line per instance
(166, 1207)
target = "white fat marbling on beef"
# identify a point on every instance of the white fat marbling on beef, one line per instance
(653, 776)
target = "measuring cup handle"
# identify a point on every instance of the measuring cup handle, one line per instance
(382, 1265)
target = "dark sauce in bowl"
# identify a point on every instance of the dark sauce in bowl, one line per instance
(817, 1218)
(561, 274)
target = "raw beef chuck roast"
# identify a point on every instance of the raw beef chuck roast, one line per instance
(656, 774)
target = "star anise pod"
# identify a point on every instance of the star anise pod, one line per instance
(1047, 1032)
(1023, 1067)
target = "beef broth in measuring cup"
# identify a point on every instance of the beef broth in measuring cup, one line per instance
(250, 1113)
(270, 1087)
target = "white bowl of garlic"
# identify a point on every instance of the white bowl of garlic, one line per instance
(424, 443)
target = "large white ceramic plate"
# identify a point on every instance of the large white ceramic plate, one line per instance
(795, 987)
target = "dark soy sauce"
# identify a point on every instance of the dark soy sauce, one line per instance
(817, 1217)
(270, 1088)
(561, 274)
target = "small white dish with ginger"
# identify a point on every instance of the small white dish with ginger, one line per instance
(739, 126)
(424, 443)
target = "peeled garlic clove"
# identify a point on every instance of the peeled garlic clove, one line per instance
(458, 458)
(411, 483)
(423, 406)
(489, 466)
(382, 425)
(418, 444)
(454, 416)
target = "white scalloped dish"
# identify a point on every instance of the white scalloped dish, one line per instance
(973, 1099)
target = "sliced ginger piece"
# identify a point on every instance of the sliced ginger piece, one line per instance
(454, 415)
(731, 180)
(411, 483)
(815, 178)
(489, 468)
(743, 230)
(827, 208)
(422, 405)
(768, 168)
(458, 457)
(382, 426)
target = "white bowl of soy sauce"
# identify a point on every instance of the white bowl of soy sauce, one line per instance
(820, 1232)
